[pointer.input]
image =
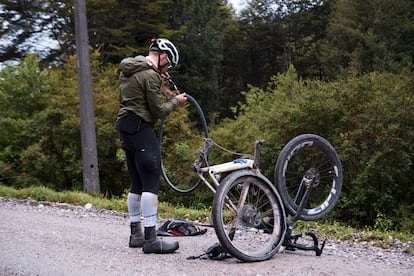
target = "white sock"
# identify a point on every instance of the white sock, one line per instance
(134, 207)
(149, 206)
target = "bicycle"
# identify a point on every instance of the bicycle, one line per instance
(249, 212)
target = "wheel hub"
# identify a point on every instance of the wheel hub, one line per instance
(248, 216)
(312, 177)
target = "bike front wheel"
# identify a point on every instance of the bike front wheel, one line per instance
(304, 155)
(248, 216)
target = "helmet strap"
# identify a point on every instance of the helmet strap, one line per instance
(158, 67)
(159, 62)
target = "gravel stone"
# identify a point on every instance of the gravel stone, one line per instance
(45, 238)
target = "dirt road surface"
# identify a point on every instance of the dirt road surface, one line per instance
(41, 238)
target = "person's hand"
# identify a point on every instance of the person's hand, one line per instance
(182, 98)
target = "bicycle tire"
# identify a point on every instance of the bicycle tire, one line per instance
(254, 230)
(174, 184)
(301, 154)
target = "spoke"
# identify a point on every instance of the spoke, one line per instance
(242, 200)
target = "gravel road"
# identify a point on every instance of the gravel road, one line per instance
(42, 238)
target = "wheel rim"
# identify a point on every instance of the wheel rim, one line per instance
(255, 231)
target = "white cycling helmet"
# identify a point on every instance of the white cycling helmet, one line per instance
(165, 46)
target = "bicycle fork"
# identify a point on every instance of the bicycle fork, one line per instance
(309, 180)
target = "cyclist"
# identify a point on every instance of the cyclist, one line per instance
(141, 104)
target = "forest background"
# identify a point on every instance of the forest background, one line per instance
(342, 69)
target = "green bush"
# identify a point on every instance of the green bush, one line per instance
(369, 119)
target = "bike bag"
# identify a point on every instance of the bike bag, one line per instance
(174, 227)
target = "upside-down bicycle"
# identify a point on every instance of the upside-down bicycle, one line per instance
(253, 217)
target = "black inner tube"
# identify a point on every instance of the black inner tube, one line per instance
(203, 120)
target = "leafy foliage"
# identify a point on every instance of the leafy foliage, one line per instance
(376, 142)
(369, 35)
(36, 26)
(281, 53)
(368, 119)
(41, 141)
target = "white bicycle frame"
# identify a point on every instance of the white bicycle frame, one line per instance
(215, 170)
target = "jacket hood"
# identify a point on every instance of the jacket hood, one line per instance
(132, 65)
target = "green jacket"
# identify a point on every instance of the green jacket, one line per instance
(139, 91)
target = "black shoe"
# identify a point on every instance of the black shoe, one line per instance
(154, 245)
(158, 246)
(137, 237)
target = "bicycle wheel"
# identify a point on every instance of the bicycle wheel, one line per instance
(304, 154)
(248, 216)
(178, 174)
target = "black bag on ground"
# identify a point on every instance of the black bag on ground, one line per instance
(175, 227)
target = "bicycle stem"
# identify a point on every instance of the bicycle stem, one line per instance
(257, 153)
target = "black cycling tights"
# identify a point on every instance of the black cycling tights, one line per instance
(143, 160)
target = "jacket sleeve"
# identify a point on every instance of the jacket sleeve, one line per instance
(156, 104)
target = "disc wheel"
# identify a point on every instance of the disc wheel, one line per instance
(309, 156)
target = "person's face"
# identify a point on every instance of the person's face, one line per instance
(165, 63)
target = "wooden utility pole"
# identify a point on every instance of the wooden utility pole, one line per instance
(87, 121)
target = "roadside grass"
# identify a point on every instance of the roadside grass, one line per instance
(336, 231)
(332, 230)
(41, 193)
